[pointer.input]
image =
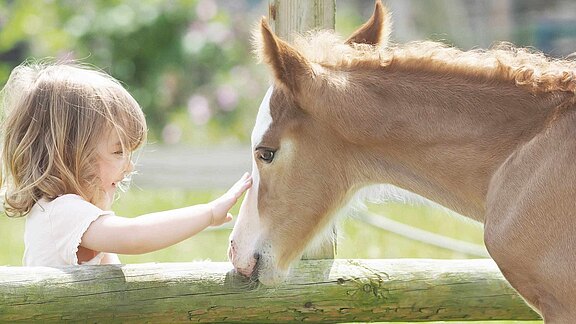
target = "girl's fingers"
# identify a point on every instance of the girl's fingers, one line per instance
(242, 185)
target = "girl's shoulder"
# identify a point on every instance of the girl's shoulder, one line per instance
(67, 200)
(54, 229)
(68, 204)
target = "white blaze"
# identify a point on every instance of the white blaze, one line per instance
(263, 119)
(245, 232)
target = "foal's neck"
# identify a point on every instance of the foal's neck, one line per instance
(444, 137)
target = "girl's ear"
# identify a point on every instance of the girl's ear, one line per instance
(376, 30)
(289, 67)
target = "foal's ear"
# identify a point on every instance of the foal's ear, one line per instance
(290, 68)
(376, 30)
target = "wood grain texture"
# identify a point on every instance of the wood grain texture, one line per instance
(317, 291)
(298, 16)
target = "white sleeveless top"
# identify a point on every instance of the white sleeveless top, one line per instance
(54, 230)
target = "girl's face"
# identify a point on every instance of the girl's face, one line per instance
(113, 166)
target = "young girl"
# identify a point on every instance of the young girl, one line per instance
(68, 136)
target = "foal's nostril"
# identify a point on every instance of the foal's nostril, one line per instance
(257, 256)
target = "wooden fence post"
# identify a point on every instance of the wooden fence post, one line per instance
(297, 16)
(288, 17)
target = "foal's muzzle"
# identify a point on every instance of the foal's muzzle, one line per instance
(247, 268)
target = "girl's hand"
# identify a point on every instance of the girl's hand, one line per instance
(222, 205)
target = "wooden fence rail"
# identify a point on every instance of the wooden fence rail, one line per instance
(318, 291)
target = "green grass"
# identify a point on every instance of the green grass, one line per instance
(356, 239)
(360, 240)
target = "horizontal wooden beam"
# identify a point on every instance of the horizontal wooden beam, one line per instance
(317, 291)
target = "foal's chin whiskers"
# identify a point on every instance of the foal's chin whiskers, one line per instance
(239, 281)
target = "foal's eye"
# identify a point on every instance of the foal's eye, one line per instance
(266, 155)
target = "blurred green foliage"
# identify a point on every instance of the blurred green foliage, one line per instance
(187, 62)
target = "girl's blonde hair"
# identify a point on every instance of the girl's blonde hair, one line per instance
(55, 115)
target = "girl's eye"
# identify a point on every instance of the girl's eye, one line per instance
(265, 155)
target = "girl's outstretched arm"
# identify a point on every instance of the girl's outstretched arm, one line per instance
(152, 232)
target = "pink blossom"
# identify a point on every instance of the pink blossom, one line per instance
(199, 110)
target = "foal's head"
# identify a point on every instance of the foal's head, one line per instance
(303, 168)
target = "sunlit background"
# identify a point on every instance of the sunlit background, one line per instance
(189, 64)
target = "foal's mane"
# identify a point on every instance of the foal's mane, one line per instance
(527, 68)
